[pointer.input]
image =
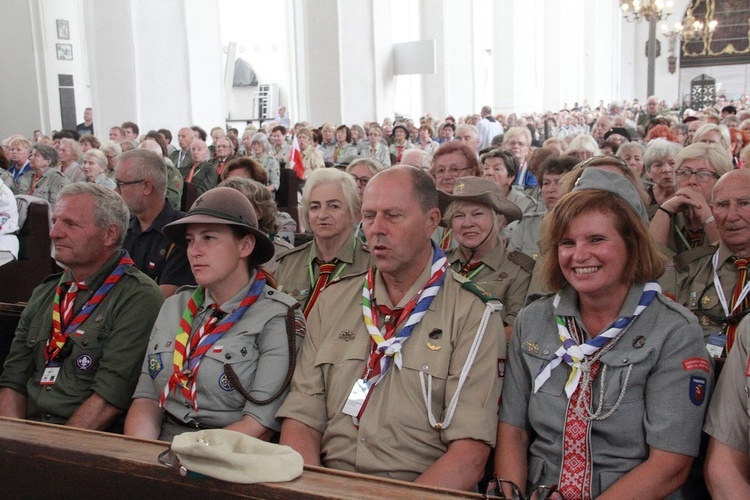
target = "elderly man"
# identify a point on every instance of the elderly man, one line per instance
(141, 178)
(711, 280)
(487, 128)
(355, 402)
(117, 134)
(469, 135)
(81, 339)
(181, 158)
(652, 111)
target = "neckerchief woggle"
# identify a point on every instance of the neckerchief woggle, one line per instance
(720, 290)
(59, 336)
(387, 350)
(573, 354)
(185, 377)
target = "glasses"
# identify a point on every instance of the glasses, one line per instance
(701, 175)
(453, 171)
(361, 180)
(495, 490)
(120, 184)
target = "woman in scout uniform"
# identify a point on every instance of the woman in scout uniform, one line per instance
(46, 181)
(477, 212)
(607, 380)
(330, 204)
(221, 353)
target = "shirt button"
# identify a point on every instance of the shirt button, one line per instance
(228, 356)
(546, 351)
(270, 292)
(47, 388)
(363, 440)
(47, 416)
(187, 405)
(85, 343)
(625, 360)
(425, 367)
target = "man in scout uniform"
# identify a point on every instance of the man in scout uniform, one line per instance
(141, 178)
(398, 374)
(80, 342)
(712, 281)
(727, 467)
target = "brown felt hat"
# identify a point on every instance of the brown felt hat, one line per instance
(223, 205)
(480, 190)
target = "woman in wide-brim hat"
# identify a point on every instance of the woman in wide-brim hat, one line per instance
(221, 353)
(476, 214)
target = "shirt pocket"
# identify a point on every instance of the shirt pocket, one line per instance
(214, 383)
(86, 354)
(341, 364)
(624, 378)
(537, 359)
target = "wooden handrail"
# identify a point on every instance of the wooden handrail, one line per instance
(44, 460)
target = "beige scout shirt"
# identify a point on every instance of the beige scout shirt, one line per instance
(694, 284)
(293, 272)
(47, 188)
(394, 438)
(728, 419)
(506, 275)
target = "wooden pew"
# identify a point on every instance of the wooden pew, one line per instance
(286, 196)
(49, 461)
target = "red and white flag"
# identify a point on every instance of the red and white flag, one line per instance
(295, 159)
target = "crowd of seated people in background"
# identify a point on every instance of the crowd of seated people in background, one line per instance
(499, 203)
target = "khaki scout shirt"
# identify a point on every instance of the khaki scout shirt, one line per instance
(394, 438)
(47, 188)
(502, 275)
(106, 355)
(293, 272)
(728, 419)
(694, 284)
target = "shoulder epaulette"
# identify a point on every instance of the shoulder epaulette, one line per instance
(346, 277)
(294, 250)
(536, 296)
(683, 260)
(523, 260)
(477, 290)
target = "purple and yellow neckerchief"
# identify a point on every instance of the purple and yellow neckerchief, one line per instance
(574, 354)
(58, 335)
(387, 349)
(189, 351)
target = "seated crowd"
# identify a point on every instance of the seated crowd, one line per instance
(564, 288)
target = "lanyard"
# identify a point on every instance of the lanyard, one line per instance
(720, 290)
(334, 275)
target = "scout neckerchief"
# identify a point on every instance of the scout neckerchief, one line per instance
(328, 271)
(387, 344)
(34, 181)
(63, 325)
(471, 269)
(189, 351)
(445, 242)
(573, 354)
(739, 297)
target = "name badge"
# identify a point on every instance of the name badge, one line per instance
(50, 374)
(716, 343)
(356, 398)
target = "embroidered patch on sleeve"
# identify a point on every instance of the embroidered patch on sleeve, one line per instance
(691, 364)
(697, 390)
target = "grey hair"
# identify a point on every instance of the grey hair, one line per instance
(331, 176)
(659, 150)
(146, 164)
(109, 207)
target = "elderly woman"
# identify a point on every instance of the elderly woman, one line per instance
(359, 138)
(501, 167)
(69, 154)
(377, 150)
(260, 148)
(659, 162)
(599, 397)
(111, 150)
(220, 352)
(400, 142)
(312, 159)
(714, 134)
(46, 181)
(426, 143)
(94, 164)
(583, 147)
(268, 214)
(685, 221)
(517, 140)
(476, 212)
(330, 204)
(632, 154)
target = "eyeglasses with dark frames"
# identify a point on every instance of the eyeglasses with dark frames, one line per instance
(120, 184)
(495, 490)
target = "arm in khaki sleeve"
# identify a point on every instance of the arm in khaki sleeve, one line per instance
(461, 467)
(303, 438)
(511, 454)
(12, 403)
(144, 419)
(248, 425)
(95, 413)
(727, 470)
(659, 475)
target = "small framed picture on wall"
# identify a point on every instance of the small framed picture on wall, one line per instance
(63, 29)
(65, 51)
